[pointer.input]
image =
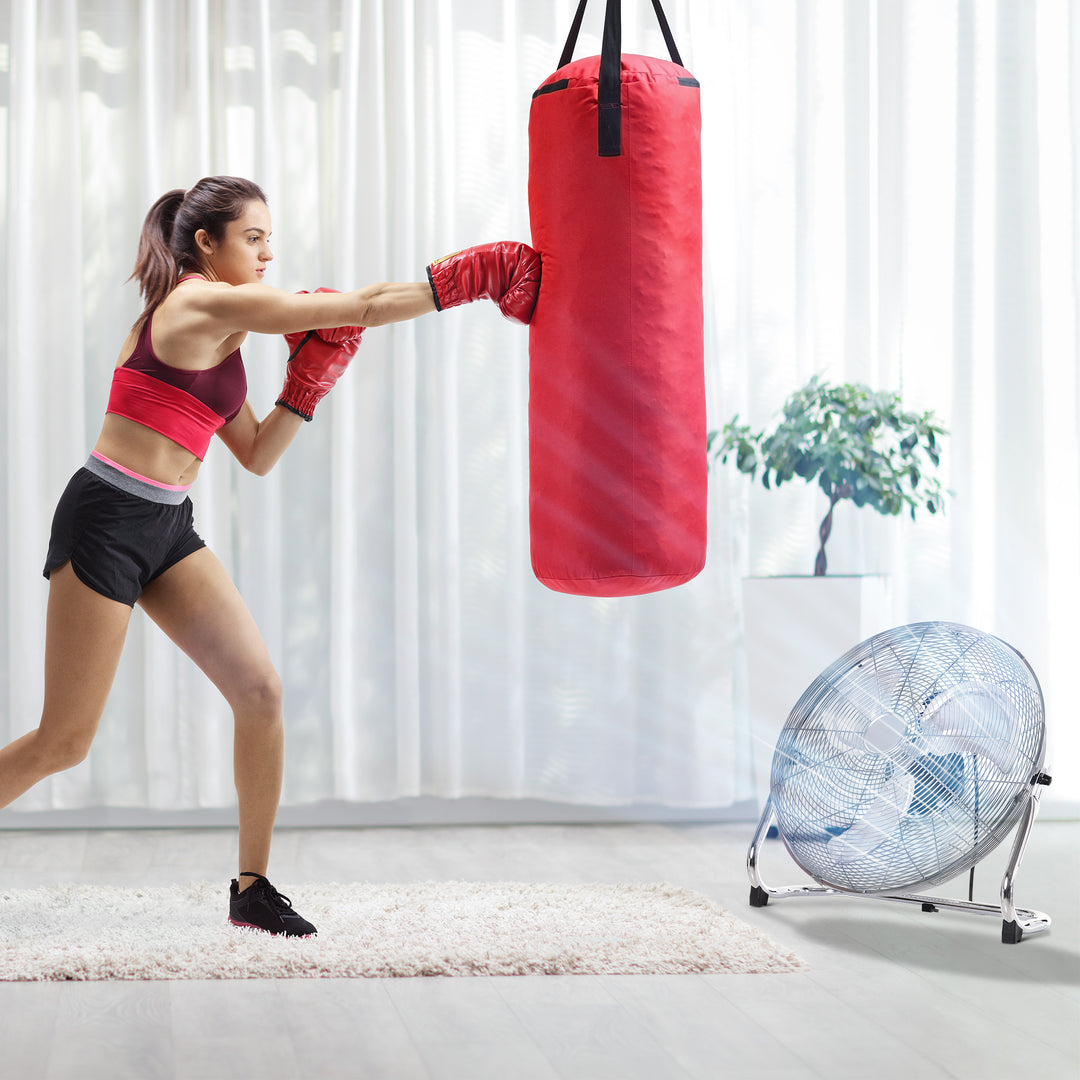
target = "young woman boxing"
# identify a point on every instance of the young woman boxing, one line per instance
(123, 534)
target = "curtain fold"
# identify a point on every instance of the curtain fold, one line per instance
(891, 197)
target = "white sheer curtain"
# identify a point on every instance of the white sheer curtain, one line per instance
(907, 214)
(890, 196)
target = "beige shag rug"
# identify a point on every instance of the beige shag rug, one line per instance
(86, 932)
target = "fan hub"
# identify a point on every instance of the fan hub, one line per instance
(884, 734)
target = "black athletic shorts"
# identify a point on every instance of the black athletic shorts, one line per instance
(119, 530)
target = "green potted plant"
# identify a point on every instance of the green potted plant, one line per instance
(856, 443)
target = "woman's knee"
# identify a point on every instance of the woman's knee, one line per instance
(57, 751)
(261, 694)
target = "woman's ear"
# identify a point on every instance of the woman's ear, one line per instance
(204, 243)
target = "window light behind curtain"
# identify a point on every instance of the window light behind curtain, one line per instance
(890, 197)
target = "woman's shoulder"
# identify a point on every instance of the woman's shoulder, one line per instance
(188, 287)
(189, 330)
(191, 297)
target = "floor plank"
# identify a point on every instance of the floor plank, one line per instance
(28, 1018)
(363, 1024)
(117, 1029)
(584, 1031)
(219, 1026)
(462, 1027)
(701, 1030)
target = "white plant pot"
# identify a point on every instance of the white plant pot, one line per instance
(795, 628)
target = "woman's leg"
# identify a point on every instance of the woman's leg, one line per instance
(84, 636)
(196, 603)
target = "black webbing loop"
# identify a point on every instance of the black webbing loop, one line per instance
(609, 96)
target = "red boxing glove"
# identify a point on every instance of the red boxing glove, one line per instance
(314, 367)
(317, 359)
(507, 272)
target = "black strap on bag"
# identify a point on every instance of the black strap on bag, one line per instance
(609, 99)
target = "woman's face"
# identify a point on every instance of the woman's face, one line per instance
(241, 256)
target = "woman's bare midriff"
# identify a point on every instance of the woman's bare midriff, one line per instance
(146, 452)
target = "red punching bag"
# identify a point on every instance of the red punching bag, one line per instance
(617, 465)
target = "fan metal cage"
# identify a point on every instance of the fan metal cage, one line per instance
(909, 759)
(905, 763)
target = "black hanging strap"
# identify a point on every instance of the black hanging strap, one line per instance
(575, 29)
(609, 99)
(571, 41)
(666, 31)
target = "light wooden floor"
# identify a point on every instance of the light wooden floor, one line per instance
(891, 992)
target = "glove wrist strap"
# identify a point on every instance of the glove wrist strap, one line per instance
(296, 408)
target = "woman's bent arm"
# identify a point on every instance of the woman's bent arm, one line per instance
(256, 444)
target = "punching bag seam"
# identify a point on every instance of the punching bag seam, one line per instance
(579, 80)
(684, 575)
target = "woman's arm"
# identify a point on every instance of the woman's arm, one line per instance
(266, 310)
(506, 272)
(256, 444)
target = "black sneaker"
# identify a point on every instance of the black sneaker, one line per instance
(261, 907)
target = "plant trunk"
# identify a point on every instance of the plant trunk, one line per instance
(823, 534)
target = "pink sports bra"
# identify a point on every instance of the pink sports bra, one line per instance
(185, 406)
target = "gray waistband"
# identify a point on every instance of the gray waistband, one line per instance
(135, 485)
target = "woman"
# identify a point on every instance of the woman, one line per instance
(123, 533)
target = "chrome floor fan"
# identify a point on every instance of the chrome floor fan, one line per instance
(903, 765)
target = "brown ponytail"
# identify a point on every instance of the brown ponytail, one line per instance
(155, 266)
(167, 245)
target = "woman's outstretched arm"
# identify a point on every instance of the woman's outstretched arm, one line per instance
(507, 273)
(263, 309)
